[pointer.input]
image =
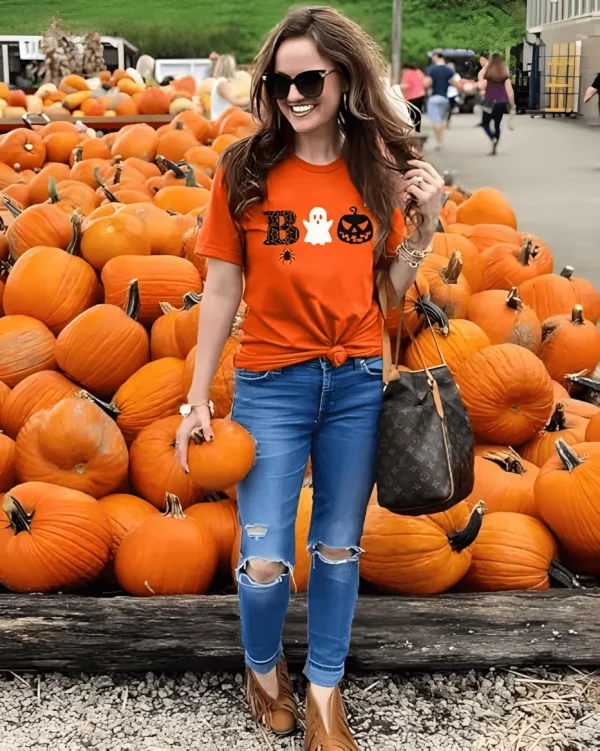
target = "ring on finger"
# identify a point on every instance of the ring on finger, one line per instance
(419, 179)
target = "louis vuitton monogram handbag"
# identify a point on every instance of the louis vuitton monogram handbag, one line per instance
(426, 445)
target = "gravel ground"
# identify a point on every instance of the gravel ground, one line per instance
(513, 709)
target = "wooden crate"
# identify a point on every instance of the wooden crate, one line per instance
(98, 123)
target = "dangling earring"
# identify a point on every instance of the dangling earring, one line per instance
(345, 100)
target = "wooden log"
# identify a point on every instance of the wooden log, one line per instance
(98, 123)
(74, 633)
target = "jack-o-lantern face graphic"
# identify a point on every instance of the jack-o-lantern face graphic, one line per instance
(355, 228)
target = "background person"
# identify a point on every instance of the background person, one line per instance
(437, 78)
(592, 91)
(483, 62)
(413, 91)
(499, 97)
(452, 95)
(287, 217)
(223, 94)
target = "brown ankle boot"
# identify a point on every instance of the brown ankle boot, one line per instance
(278, 715)
(339, 737)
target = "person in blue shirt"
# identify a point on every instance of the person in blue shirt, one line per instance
(438, 77)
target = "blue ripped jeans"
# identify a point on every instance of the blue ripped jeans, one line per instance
(330, 413)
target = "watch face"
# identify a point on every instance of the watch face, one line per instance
(185, 410)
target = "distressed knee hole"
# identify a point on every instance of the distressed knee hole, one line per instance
(335, 555)
(259, 571)
(256, 531)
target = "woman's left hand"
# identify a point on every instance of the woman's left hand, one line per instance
(426, 187)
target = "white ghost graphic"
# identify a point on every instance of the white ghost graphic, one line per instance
(318, 227)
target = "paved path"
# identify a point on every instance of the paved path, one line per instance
(550, 171)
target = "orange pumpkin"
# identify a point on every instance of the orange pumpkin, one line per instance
(507, 392)
(155, 468)
(571, 428)
(181, 199)
(448, 287)
(140, 141)
(202, 157)
(462, 340)
(585, 294)
(175, 142)
(504, 482)
(72, 83)
(16, 198)
(71, 196)
(570, 344)
(92, 148)
(165, 232)
(103, 347)
(85, 171)
(68, 540)
(197, 123)
(223, 141)
(26, 346)
(23, 147)
(73, 444)
(219, 519)
(9, 176)
(39, 188)
(8, 472)
(507, 266)
(60, 146)
(154, 101)
(445, 245)
(109, 237)
(487, 206)
(549, 295)
(512, 551)
(418, 555)
(160, 278)
(505, 319)
(174, 334)
(484, 236)
(43, 224)
(225, 460)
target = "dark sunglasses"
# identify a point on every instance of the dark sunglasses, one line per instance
(309, 83)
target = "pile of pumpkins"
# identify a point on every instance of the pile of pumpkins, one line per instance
(122, 93)
(101, 306)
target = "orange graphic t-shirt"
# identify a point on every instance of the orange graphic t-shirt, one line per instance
(308, 265)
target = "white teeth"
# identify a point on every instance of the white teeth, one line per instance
(302, 109)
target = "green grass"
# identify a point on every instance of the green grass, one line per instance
(192, 28)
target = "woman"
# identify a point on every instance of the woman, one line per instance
(499, 95)
(223, 94)
(288, 213)
(414, 91)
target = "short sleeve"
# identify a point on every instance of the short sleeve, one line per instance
(219, 237)
(397, 233)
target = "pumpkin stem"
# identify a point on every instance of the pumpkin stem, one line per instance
(118, 172)
(173, 507)
(190, 179)
(432, 314)
(190, 299)
(166, 307)
(111, 409)
(12, 207)
(513, 300)
(568, 456)
(78, 154)
(452, 271)
(100, 180)
(558, 421)
(462, 538)
(20, 520)
(568, 272)
(28, 147)
(132, 305)
(562, 575)
(580, 379)
(165, 165)
(509, 460)
(525, 253)
(577, 315)
(76, 222)
(3, 226)
(52, 192)
(6, 266)
(179, 125)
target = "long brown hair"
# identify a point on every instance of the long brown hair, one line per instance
(496, 71)
(377, 144)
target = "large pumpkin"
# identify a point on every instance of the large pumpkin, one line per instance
(139, 141)
(508, 265)
(155, 469)
(41, 225)
(26, 346)
(567, 494)
(220, 520)
(570, 344)
(38, 391)
(109, 237)
(487, 206)
(152, 392)
(549, 295)
(160, 279)
(448, 287)
(167, 554)
(418, 555)
(164, 231)
(505, 319)
(446, 244)
(571, 428)
(174, 334)
(508, 393)
(463, 339)
(504, 482)
(50, 285)
(222, 388)
(512, 551)
(585, 294)
(22, 148)
(51, 538)
(224, 461)
(39, 188)
(74, 444)
(104, 346)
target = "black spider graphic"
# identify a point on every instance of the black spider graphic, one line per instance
(287, 256)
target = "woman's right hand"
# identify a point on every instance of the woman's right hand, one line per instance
(198, 419)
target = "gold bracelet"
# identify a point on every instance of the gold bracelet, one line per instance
(413, 257)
